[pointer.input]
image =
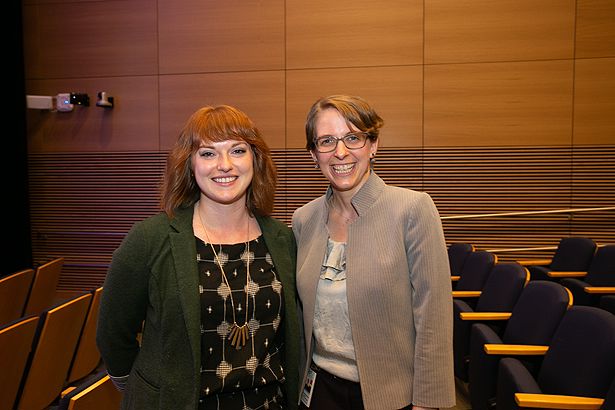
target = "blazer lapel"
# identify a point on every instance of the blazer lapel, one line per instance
(183, 248)
(278, 247)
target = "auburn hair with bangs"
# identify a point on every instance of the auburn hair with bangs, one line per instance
(215, 124)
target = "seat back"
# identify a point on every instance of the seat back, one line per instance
(52, 352)
(44, 286)
(87, 356)
(457, 255)
(476, 270)
(607, 302)
(537, 313)
(533, 321)
(14, 291)
(15, 344)
(609, 401)
(502, 288)
(581, 356)
(573, 254)
(601, 271)
(95, 393)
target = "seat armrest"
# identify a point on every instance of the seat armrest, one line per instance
(455, 278)
(517, 350)
(534, 262)
(553, 401)
(485, 315)
(466, 293)
(67, 390)
(599, 289)
(566, 274)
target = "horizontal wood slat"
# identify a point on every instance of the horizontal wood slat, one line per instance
(82, 204)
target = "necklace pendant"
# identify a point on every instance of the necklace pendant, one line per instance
(238, 335)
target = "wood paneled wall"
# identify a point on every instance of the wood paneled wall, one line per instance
(84, 203)
(450, 77)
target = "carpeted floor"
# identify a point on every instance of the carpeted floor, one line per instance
(463, 401)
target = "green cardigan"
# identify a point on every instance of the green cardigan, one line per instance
(153, 279)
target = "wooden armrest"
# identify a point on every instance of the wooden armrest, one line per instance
(67, 390)
(466, 293)
(553, 401)
(534, 262)
(566, 274)
(485, 315)
(600, 289)
(517, 350)
(455, 278)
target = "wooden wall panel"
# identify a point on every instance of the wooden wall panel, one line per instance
(595, 36)
(198, 36)
(131, 125)
(593, 184)
(83, 204)
(259, 94)
(505, 30)
(350, 33)
(593, 177)
(85, 39)
(56, 1)
(594, 101)
(395, 93)
(488, 106)
(523, 103)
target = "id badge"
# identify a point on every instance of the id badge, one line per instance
(306, 395)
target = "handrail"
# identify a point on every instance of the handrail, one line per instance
(555, 211)
(538, 248)
(541, 248)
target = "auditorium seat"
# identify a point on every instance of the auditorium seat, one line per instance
(533, 321)
(43, 291)
(457, 254)
(500, 294)
(474, 274)
(95, 392)
(14, 290)
(600, 276)
(572, 254)
(87, 356)
(52, 351)
(577, 370)
(15, 343)
(607, 302)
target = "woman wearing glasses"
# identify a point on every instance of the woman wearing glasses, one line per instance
(372, 276)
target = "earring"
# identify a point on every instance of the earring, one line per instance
(316, 166)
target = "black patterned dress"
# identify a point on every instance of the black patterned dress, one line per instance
(249, 377)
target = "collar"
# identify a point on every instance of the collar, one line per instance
(367, 195)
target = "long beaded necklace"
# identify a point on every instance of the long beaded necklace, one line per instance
(238, 335)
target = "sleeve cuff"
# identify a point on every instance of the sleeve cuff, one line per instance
(119, 381)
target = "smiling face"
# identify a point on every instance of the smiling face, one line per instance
(223, 170)
(345, 169)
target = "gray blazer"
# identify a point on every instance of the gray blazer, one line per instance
(398, 290)
(154, 277)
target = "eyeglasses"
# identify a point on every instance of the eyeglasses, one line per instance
(328, 143)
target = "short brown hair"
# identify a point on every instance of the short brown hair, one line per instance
(213, 124)
(354, 109)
